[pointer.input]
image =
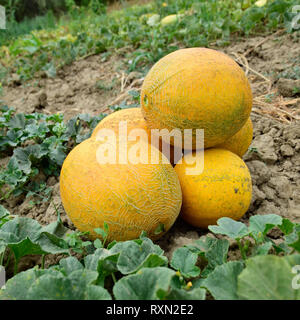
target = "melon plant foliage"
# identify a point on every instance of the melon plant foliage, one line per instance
(139, 270)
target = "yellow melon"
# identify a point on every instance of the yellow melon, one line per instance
(197, 88)
(132, 116)
(135, 120)
(223, 189)
(131, 198)
(240, 142)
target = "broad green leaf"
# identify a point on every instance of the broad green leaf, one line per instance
(287, 226)
(23, 157)
(25, 247)
(17, 287)
(49, 287)
(4, 216)
(134, 256)
(3, 212)
(263, 223)
(269, 277)
(182, 294)
(231, 228)
(222, 282)
(82, 278)
(184, 260)
(70, 265)
(56, 228)
(97, 293)
(51, 284)
(146, 284)
(262, 249)
(25, 236)
(17, 122)
(293, 239)
(103, 261)
(214, 250)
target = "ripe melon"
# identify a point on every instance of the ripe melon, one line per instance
(131, 198)
(135, 120)
(197, 88)
(171, 19)
(223, 189)
(133, 117)
(240, 142)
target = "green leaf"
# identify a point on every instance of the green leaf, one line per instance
(70, 265)
(293, 239)
(222, 282)
(184, 261)
(103, 261)
(146, 284)
(3, 212)
(101, 232)
(262, 249)
(182, 294)
(231, 228)
(17, 287)
(51, 284)
(287, 226)
(98, 244)
(26, 236)
(134, 256)
(214, 250)
(263, 223)
(4, 215)
(97, 293)
(17, 122)
(268, 278)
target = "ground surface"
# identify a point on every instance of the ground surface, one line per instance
(271, 63)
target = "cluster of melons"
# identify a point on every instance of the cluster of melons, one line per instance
(194, 88)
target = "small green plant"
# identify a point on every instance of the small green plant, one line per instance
(39, 144)
(138, 29)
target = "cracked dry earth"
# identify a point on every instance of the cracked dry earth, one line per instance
(273, 157)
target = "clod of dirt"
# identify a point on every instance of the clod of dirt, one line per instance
(41, 101)
(288, 87)
(260, 172)
(15, 80)
(286, 150)
(264, 147)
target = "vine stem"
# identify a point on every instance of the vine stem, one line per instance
(114, 277)
(2, 258)
(43, 261)
(8, 259)
(241, 249)
(16, 266)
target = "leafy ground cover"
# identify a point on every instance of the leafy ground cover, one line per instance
(38, 143)
(137, 33)
(138, 270)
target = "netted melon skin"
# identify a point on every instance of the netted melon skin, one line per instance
(197, 88)
(133, 117)
(131, 198)
(135, 120)
(223, 189)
